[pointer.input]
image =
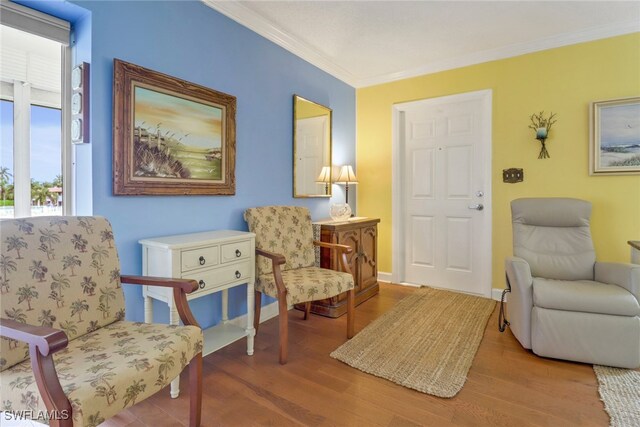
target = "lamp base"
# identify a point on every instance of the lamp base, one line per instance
(340, 211)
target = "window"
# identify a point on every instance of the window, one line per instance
(34, 151)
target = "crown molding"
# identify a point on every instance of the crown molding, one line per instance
(256, 23)
(546, 43)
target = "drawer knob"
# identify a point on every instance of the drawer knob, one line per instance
(202, 260)
(238, 275)
(202, 284)
(238, 253)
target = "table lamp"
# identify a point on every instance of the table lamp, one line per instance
(346, 177)
(325, 177)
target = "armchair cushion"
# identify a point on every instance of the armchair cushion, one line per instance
(285, 230)
(553, 235)
(108, 370)
(584, 296)
(61, 272)
(306, 284)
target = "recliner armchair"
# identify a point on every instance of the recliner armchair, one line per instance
(564, 304)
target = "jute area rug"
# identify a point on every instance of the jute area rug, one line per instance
(427, 342)
(620, 391)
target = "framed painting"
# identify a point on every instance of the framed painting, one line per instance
(615, 137)
(170, 136)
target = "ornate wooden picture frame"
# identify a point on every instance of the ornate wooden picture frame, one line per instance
(170, 136)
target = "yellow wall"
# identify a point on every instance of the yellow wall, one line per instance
(563, 80)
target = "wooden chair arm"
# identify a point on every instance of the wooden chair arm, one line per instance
(335, 246)
(181, 287)
(275, 258)
(46, 340)
(342, 250)
(43, 342)
(187, 285)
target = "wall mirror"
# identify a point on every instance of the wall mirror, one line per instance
(311, 149)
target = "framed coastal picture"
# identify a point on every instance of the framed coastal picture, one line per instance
(615, 137)
(170, 136)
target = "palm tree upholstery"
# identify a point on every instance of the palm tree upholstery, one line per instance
(285, 265)
(63, 327)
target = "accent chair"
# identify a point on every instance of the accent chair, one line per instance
(66, 348)
(564, 304)
(285, 266)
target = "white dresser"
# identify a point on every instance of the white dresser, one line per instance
(217, 260)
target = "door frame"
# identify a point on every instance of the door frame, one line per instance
(397, 185)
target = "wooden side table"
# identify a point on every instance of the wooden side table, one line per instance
(217, 260)
(361, 234)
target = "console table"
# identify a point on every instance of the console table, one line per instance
(361, 233)
(217, 260)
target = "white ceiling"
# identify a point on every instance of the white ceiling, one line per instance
(370, 42)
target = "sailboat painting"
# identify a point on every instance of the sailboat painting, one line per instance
(615, 144)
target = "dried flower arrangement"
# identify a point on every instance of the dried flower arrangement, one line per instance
(542, 126)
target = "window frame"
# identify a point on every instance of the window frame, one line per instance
(43, 25)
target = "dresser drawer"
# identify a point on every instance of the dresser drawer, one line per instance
(199, 258)
(236, 251)
(212, 279)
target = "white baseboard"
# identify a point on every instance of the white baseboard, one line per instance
(410, 285)
(267, 312)
(385, 277)
(496, 294)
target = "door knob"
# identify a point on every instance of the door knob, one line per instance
(477, 207)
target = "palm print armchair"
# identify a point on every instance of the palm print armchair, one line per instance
(285, 265)
(66, 349)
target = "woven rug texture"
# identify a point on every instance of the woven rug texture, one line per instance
(620, 391)
(426, 342)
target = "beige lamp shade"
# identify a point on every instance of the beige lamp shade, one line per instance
(325, 175)
(347, 176)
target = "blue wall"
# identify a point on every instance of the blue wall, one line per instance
(191, 41)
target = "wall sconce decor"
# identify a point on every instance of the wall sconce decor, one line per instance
(325, 178)
(542, 126)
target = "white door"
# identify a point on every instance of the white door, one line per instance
(311, 135)
(445, 183)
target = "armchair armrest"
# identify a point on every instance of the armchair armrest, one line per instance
(518, 273)
(342, 250)
(181, 287)
(520, 301)
(274, 257)
(46, 340)
(334, 246)
(43, 342)
(624, 275)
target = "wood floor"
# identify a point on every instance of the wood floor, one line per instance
(506, 386)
